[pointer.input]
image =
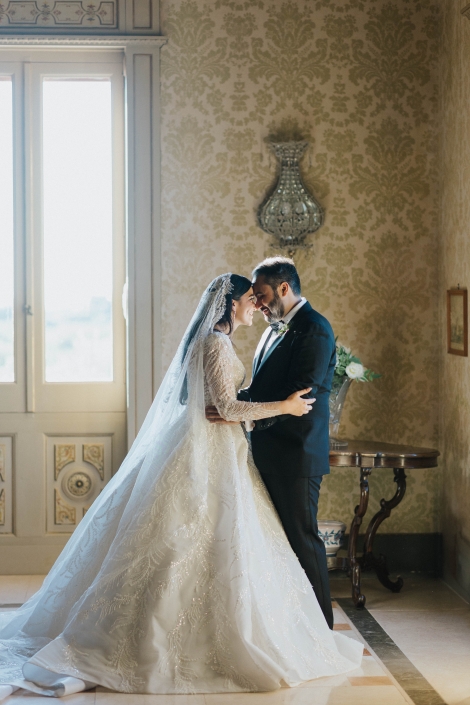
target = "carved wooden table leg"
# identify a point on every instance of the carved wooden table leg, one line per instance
(355, 563)
(379, 564)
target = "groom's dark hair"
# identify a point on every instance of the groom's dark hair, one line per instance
(277, 270)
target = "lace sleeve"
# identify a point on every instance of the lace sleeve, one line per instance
(218, 366)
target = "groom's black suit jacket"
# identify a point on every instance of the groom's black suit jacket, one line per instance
(303, 357)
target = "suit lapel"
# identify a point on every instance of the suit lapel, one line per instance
(270, 351)
(259, 350)
(257, 363)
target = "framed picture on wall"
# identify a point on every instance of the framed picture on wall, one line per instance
(457, 322)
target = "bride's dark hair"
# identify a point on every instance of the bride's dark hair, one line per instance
(240, 285)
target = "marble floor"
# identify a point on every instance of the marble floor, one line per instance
(422, 635)
(430, 625)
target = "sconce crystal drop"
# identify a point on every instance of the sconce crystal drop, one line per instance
(290, 212)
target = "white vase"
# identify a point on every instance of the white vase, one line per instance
(331, 532)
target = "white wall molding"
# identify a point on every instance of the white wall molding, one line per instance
(81, 42)
(80, 16)
(144, 236)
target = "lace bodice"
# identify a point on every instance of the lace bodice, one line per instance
(224, 374)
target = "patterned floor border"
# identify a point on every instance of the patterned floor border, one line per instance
(410, 679)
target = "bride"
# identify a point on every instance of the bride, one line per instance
(180, 578)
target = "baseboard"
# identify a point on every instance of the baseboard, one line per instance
(32, 559)
(408, 552)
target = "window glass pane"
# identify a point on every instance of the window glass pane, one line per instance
(77, 208)
(7, 366)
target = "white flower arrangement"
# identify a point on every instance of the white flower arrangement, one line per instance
(348, 365)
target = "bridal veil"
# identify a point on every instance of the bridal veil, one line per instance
(93, 560)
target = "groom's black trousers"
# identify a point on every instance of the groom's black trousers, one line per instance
(296, 502)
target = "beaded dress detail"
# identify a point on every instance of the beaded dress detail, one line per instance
(224, 375)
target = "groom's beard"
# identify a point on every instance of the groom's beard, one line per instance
(276, 309)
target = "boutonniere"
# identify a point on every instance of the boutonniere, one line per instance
(283, 329)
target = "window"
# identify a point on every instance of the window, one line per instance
(78, 230)
(62, 236)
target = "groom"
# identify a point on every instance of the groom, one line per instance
(296, 351)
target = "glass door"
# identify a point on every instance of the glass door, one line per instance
(77, 272)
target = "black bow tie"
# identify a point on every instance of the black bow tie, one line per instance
(275, 326)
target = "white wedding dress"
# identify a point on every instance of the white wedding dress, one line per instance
(180, 577)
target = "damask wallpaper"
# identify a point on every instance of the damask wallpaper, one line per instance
(455, 259)
(359, 80)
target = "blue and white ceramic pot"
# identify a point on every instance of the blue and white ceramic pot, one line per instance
(332, 534)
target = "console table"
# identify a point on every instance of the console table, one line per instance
(369, 456)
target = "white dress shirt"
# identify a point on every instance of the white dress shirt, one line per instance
(289, 316)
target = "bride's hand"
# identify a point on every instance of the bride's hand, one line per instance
(295, 405)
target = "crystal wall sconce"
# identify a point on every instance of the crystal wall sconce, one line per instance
(290, 212)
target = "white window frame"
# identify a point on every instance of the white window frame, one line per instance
(12, 395)
(142, 131)
(80, 396)
(42, 396)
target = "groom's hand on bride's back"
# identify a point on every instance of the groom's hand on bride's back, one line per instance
(296, 404)
(213, 416)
